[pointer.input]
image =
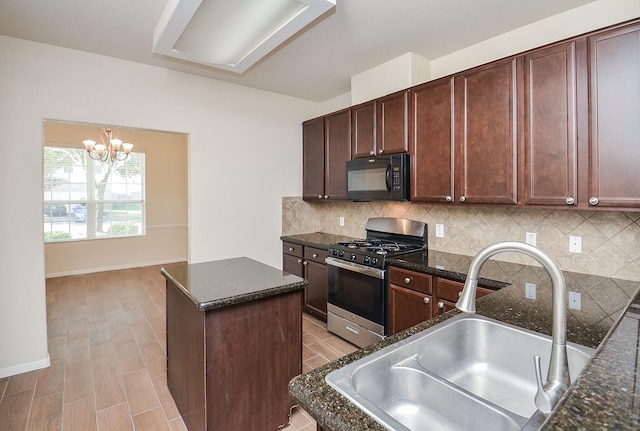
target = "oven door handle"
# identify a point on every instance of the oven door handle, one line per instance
(355, 267)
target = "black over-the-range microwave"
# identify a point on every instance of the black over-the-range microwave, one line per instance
(379, 178)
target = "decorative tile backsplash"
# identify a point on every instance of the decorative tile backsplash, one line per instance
(610, 239)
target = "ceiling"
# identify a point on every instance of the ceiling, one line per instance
(317, 64)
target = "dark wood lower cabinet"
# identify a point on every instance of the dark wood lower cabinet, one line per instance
(229, 368)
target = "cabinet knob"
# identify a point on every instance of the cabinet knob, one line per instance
(459, 294)
(326, 196)
(380, 151)
(448, 199)
(407, 280)
(319, 196)
(440, 304)
(462, 198)
(290, 248)
(299, 260)
(570, 200)
(314, 255)
(427, 300)
(305, 262)
(593, 201)
(372, 153)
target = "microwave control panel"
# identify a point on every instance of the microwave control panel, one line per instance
(396, 180)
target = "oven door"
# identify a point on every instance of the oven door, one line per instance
(357, 295)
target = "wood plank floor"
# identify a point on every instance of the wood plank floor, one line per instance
(107, 343)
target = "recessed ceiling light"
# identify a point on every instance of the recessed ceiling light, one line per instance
(231, 35)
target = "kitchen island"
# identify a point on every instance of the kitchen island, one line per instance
(604, 397)
(234, 340)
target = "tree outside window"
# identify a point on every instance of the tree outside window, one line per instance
(89, 199)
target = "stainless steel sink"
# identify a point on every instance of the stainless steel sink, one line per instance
(468, 372)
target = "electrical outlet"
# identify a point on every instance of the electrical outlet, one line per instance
(341, 221)
(575, 300)
(531, 238)
(439, 230)
(530, 290)
(440, 267)
(575, 244)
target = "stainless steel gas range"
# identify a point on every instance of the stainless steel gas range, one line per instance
(358, 277)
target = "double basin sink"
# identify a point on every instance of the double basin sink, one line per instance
(466, 373)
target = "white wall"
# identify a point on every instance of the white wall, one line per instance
(245, 154)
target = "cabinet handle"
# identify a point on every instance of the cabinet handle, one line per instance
(440, 304)
(372, 153)
(462, 198)
(593, 201)
(570, 200)
(448, 199)
(290, 248)
(427, 300)
(314, 255)
(380, 151)
(305, 262)
(407, 280)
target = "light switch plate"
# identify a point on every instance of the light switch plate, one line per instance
(439, 230)
(531, 238)
(341, 221)
(575, 244)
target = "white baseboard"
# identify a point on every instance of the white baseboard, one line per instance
(113, 268)
(24, 368)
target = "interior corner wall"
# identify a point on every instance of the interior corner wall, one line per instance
(244, 155)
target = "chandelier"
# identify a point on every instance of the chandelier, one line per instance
(111, 149)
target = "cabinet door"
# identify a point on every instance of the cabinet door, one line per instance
(363, 130)
(432, 166)
(292, 265)
(393, 123)
(486, 138)
(313, 159)
(337, 128)
(614, 97)
(550, 128)
(317, 290)
(407, 308)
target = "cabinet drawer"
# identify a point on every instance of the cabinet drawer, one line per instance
(315, 254)
(410, 279)
(292, 249)
(451, 290)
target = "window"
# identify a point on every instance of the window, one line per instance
(88, 199)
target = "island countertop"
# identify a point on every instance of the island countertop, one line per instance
(211, 285)
(602, 398)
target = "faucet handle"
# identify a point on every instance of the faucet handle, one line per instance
(543, 399)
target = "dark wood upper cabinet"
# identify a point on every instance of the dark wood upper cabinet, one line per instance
(392, 123)
(326, 147)
(337, 138)
(486, 134)
(363, 130)
(432, 146)
(550, 127)
(381, 126)
(614, 114)
(313, 159)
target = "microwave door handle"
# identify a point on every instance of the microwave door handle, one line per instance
(388, 177)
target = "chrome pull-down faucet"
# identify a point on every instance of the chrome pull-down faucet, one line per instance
(549, 393)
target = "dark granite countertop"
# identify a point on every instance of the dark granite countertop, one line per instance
(604, 397)
(320, 240)
(211, 285)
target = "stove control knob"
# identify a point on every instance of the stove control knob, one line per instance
(341, 253)
(374, 260)
(353, 257)
(367, 259)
